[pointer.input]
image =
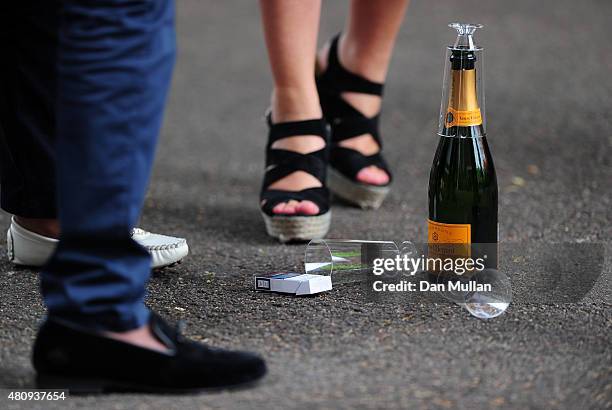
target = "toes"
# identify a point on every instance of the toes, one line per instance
(286, 208)
(307, 208)
(278, 209)
(283, 209)
(373, 175)
(294, 207)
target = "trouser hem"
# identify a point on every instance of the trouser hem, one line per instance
(106, 322)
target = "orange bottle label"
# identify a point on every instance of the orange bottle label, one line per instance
(449, 233)
(446, 240)
(456, 118)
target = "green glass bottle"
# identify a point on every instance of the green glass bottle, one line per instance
(462, 182)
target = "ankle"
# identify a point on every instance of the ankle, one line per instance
(141, 337)
(42, 226)
(295, 104)
(368, 63)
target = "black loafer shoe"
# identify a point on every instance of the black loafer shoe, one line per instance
(68, 357)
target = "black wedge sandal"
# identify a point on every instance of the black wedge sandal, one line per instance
(347, 122)
(279, 164)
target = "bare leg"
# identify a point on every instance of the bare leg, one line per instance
(291, 28)
(366, 48)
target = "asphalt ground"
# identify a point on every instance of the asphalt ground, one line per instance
(548, 94)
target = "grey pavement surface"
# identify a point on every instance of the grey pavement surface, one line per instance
(548, 88)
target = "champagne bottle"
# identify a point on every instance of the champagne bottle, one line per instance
(462, 182)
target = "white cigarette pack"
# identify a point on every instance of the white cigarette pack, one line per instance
(293, 283)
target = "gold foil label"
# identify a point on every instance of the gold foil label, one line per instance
(463, 109)
(456, 118)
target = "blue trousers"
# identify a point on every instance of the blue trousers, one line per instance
(86, 84)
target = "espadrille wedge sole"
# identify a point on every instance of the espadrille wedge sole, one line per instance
(297, 228)
(355, 193)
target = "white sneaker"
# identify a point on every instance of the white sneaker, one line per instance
(28, 248)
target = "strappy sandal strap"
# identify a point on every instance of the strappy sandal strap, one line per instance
(338, 79)
(281, 163)
(349, 162)
(349, 127)
(281, 130)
